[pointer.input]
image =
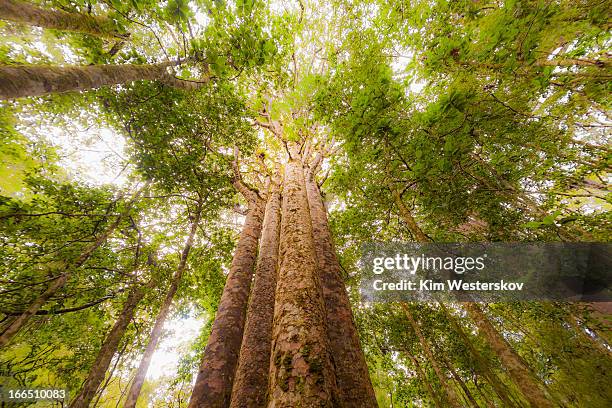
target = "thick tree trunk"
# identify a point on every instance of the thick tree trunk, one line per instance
(301, 371)
(31, 14)
(18, 81)
(213, 385)
(450, 392)
(143, 367)
(517, 368)
(352, 376)
(252, 375)
(108, 350)
(61, 280)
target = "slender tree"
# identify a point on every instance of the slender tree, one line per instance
(64, 272)
(251, 384)
(156, 332)
(215, 378)
(108, 349)
(451, 395)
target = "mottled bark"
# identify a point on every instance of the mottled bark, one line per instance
(31, 14)
(451, 395)
(213, 385)
(301, 371)
(155, 336)
(250, 388)
(513, 363)
(18, 81)
(65, 270)
(352, 376)
(108, 350)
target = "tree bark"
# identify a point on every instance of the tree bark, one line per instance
(31, 14)
(424, 380)
(155, 336)
(301, 371)
(450, 392)
(352, 376)
(213, 385)
(106, 353)
(19, 81)
(481, 364)
(407, 217)
(61, 280)
(516, 366)
(252, 375)
(459, 380)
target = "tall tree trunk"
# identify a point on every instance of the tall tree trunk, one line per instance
(65, 274)
(252, 375)
(459, 380)
(31, 14)
(407, 217)
(481, 364)
(18, 81)
(143, 367)
(483, 393)
(352, 376)
(598, 343)
(450, 392)
(106, 353)
(517, 368)
(424, 380)
(213, 385)
(301, 371)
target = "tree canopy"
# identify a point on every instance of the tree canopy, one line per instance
(139, 138)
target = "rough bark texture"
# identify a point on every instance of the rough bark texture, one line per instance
(252, 375)
(451, 395)
(517, 368)
(108, 350)
(18, 81)
(213, 385)
(31, 14)
(143, 367)
(61, 280)
(352, 376)
(301, 371)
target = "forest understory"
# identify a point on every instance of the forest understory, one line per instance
(188, 190)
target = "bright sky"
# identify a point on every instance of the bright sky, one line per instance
(181, 334)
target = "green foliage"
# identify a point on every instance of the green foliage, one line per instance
(489, 119)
